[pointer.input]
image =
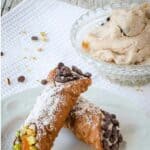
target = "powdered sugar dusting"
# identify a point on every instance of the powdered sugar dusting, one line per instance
(83, 106)
(43, 112)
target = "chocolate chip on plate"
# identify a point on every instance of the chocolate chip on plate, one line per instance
(34, 38)
(21, 78)
(44, 81)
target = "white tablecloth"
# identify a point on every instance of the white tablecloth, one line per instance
(22, 58)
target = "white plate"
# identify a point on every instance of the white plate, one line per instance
(135, 125)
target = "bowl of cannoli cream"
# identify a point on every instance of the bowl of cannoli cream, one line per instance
(116, 41)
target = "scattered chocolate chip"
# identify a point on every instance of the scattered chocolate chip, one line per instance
(77, 70)
(102, 24)
(60, 65)
(108, 19)
(44, 81)
(34, 38)
(2, 53)
(87, 74)
(21, 79)
(105, 145)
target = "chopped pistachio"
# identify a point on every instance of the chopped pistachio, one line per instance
(43, 33)
(18, 133)
(44, 38)
(17, 147)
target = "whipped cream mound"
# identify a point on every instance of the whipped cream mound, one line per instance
(123, 39)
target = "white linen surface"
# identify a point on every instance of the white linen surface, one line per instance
(22, 58)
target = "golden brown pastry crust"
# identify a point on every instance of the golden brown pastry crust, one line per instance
(53, 106)
(91, 125)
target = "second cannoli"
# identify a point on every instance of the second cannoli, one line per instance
(94, 126)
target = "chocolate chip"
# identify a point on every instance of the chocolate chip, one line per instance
(114, 131)
(44, 81)
(60, 65)
(21, 79)
(112, 138)
(102, 24)
(108, 19)
(113, 116)
(87, 74)
(65, 71)
(120, 139)
(104, 127)
(2, 53)
(105, 145)
(115, 122)
(34, 38)
(77, 70)
(107, 134)
(107, 120)
(114, 147)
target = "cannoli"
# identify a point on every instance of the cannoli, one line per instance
(94, 126)
(52, 108)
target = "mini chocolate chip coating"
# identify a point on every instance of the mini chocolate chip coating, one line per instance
(87, 74)
(110, 131)
(65, 74)
(77, 70)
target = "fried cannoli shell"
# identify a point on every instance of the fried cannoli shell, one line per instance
(52, 109)
(94, 126)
